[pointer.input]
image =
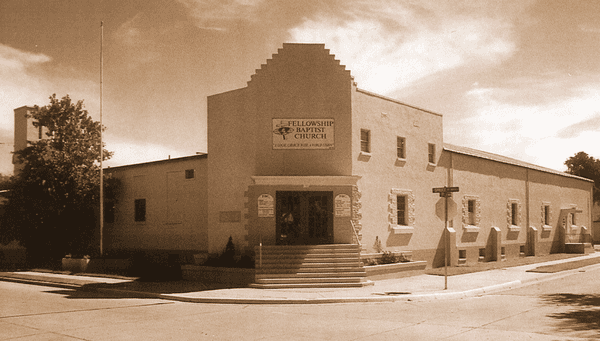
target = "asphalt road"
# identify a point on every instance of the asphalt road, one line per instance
(562, 309)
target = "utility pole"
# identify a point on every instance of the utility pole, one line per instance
(101, 146)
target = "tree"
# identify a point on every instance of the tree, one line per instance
(54, 200)
(581, 164)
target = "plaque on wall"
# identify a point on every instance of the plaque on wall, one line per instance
(266, 207)
(303, 133)
(343, 205)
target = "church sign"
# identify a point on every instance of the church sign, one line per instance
(303, 133)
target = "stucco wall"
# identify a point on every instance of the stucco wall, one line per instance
(381, 171)
(176, 214)
(232, 150)
(496, 185)
(300, 82)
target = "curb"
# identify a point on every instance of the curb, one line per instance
(365, 299)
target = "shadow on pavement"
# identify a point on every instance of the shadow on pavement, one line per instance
(585, 319)
(137, 289)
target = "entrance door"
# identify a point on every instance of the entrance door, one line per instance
(304, 218)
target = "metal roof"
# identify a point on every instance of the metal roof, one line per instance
(507, 160)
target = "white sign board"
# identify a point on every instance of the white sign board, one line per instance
(303, 133)
(266, 206)
(343, 205)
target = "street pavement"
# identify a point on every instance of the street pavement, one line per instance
(422, 287)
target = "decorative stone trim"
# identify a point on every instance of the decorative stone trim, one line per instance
(356, 214)
(393, 214)
(466, 221)
(511, 227)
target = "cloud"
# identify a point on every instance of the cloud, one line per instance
(139, 50)
(17, 60)
(589, 29)
(389, 46)
(128, 152)
(575, 130)
(18, 84)
(218, 14)
(544, 133)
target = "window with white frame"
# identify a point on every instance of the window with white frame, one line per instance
(431, 153)
(513, 214)
(546, 214)
(471, 211)
(402, 210)
(401, 147)
(365, 141)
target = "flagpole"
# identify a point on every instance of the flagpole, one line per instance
(101, 146)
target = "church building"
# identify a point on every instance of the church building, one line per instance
(302, 156)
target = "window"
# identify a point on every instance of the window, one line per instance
(513, 215)
(189, 173)
(431, 153)
(365, 141)
(140, 209)
(471, 213)
(546, 215)
(471, 209)
(109, 212)
(401, 209)
(401, 147)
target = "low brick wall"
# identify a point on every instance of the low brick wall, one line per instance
(395, 270)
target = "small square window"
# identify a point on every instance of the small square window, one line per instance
(401, 147)
(365, 140)
(140, 209)
(189, 173)
(431, 153)
(462, 254)
(401, 209)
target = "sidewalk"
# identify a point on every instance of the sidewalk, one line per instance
(416, 288)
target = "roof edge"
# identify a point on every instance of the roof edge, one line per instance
(183, 158)
(396, 101)
(507, 160)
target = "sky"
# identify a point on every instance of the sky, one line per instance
(516, 78)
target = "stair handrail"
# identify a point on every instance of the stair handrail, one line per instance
(355, 233)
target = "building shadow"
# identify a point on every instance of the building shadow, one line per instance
(139, 289)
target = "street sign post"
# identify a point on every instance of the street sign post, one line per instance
(446, 192)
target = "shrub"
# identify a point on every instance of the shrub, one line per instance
(388, 257)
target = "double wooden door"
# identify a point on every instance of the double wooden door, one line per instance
(304, 218)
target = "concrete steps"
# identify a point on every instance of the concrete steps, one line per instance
(309, 266)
